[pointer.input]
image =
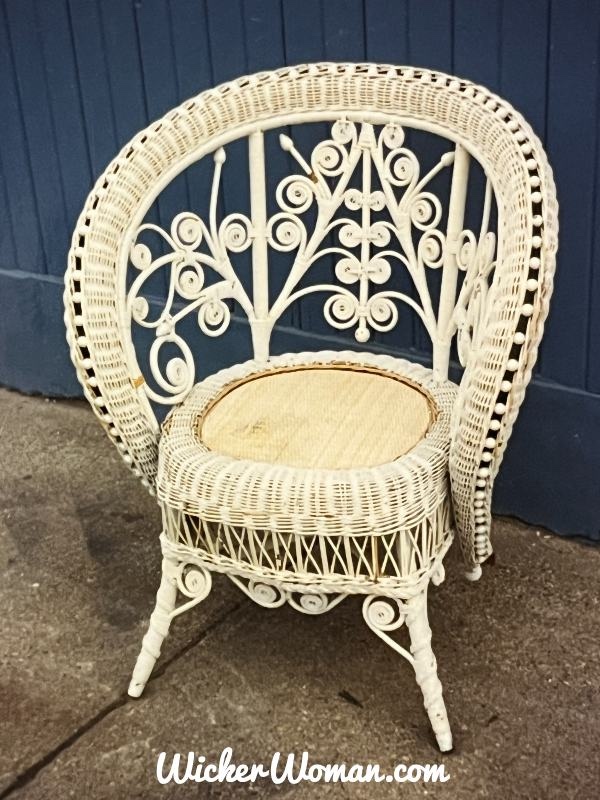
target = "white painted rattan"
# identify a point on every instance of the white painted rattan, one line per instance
(497, 309)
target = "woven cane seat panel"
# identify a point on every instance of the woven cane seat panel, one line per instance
(320, 417)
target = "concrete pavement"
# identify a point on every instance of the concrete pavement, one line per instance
(79, 558)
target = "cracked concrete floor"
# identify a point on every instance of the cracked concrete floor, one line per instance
(517, 653)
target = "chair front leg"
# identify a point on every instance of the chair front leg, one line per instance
(160, 621)
(384, 615)
(425, 667)
(194, 582)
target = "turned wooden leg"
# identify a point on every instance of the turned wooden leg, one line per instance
(425, 667)
(157, 630)
(384, 615)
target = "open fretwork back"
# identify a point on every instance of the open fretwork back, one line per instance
(373, 213)
(361, 198)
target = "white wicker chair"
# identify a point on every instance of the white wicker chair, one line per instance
(308, 477)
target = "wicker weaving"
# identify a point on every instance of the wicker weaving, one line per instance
(308, 477)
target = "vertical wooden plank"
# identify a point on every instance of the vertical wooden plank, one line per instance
(227, 35)
(161, 89)
(124, 68)
(126, 81)
(194, 75)
(34, 356)
(387, 34)
(303, 28)
(63, 87)
(227, 39)
(191, 47)
(523, 68)
(343, 30)
(22, 206)
(25, 44)
(477, 56)
(477, 46)
(263, 25)
(524, 36)
(339, 36)
(593, 331)
(305, 43)
(331, 31)
(157, 56)
(8, 248)
(571, 142)
(431, 34)
(226, 30)
(265, 49)
(96, 97)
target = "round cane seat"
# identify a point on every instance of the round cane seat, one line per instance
(319, 416)
(313, 443)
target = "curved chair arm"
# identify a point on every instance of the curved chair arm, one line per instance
(499, 370)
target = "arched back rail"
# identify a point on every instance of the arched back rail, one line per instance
(359, 197)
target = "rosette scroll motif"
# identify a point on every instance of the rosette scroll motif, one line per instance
(286, 232)
(341, 310)
(295, 194)
(331, 157)
(192, 247)
(425, 211)
(382, 313)
(431, 249)
(360, 198)
(213, 316)
(377, 218)
(477, 259)
(178, 376)
(271, 595)
(235, 233)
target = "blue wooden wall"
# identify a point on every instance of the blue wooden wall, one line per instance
(79, 77)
